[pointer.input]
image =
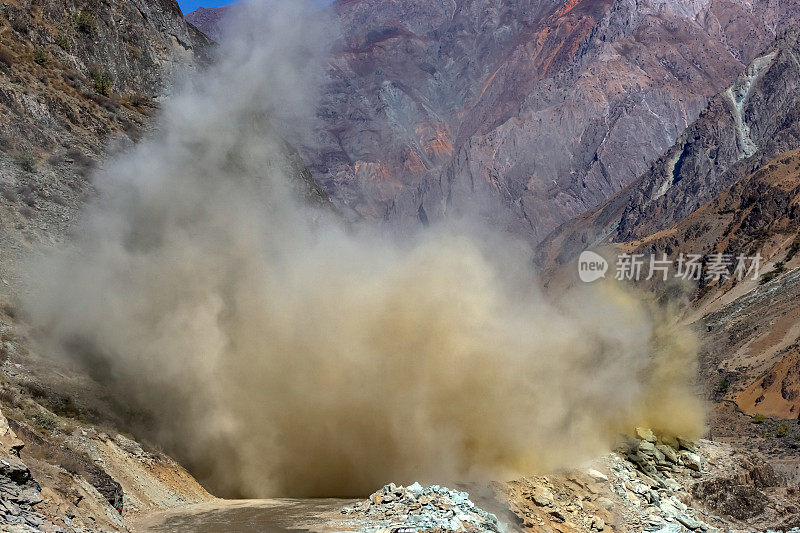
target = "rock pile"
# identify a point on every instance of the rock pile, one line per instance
(19, 493)
(650, 480)
(420, 509)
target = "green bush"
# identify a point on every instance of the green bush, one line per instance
(84, 22)
(783, 430)
(723, 386)
(26, 161)
(766, 278)
(103, 82)
(759, 418)
(45, 421)
(64, 43)
(40, 56)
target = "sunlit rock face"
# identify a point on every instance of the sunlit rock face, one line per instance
(744, 127)
(542, 108)
(527, 111)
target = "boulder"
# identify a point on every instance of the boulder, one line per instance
(9, 442)
(692, 460)
(669, 453)
(687, 444)
(596, 475)
(646, 435)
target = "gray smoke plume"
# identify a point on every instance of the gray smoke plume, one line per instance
(279, 353)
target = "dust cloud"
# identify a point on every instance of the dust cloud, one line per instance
(279, 352)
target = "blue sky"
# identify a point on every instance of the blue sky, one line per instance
(187, 6)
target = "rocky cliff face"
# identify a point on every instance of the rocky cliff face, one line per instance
(541, 108)
(75, 78)
(744, 127)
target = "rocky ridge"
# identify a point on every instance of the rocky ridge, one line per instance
(539, 110)
(529, 113)
(77, 79)
(209, 20)
(744, 127)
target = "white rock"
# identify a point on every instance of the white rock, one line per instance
(596, 475)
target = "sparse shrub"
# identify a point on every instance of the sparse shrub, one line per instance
(45, 421)
(55, 401)
(57, 199)
(26, 161)
(793, 249)
(758, 418)
(102, 82)
(783, 430)
(139, 100)
(780, 266)
(40, 56)
(79, 159)
(73, 78)
(723, 386)
(28, 193)
(9, 398)
(84, 22)
(63, 42)
(19, 25)
(83, 164)
(766, 278)
(5, 341)
(9, 310)
(103, 101)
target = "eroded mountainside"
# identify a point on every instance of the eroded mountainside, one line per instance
(729, 186)
(75, 78)
(743, 128)
(209, 20)
(544, 107)
(596, 81)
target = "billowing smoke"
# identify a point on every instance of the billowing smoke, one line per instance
(277, 351)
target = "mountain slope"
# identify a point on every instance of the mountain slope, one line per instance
(208, 20)
(76, 78)
(745, 126)
(543, 108)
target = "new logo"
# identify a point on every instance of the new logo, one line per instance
(591, 267)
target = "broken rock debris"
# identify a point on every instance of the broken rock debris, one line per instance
(418, 508)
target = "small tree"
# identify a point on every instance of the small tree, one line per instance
(84, 22)
(64, 43)
(26, 161)
(103, 82)
(40, 56)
